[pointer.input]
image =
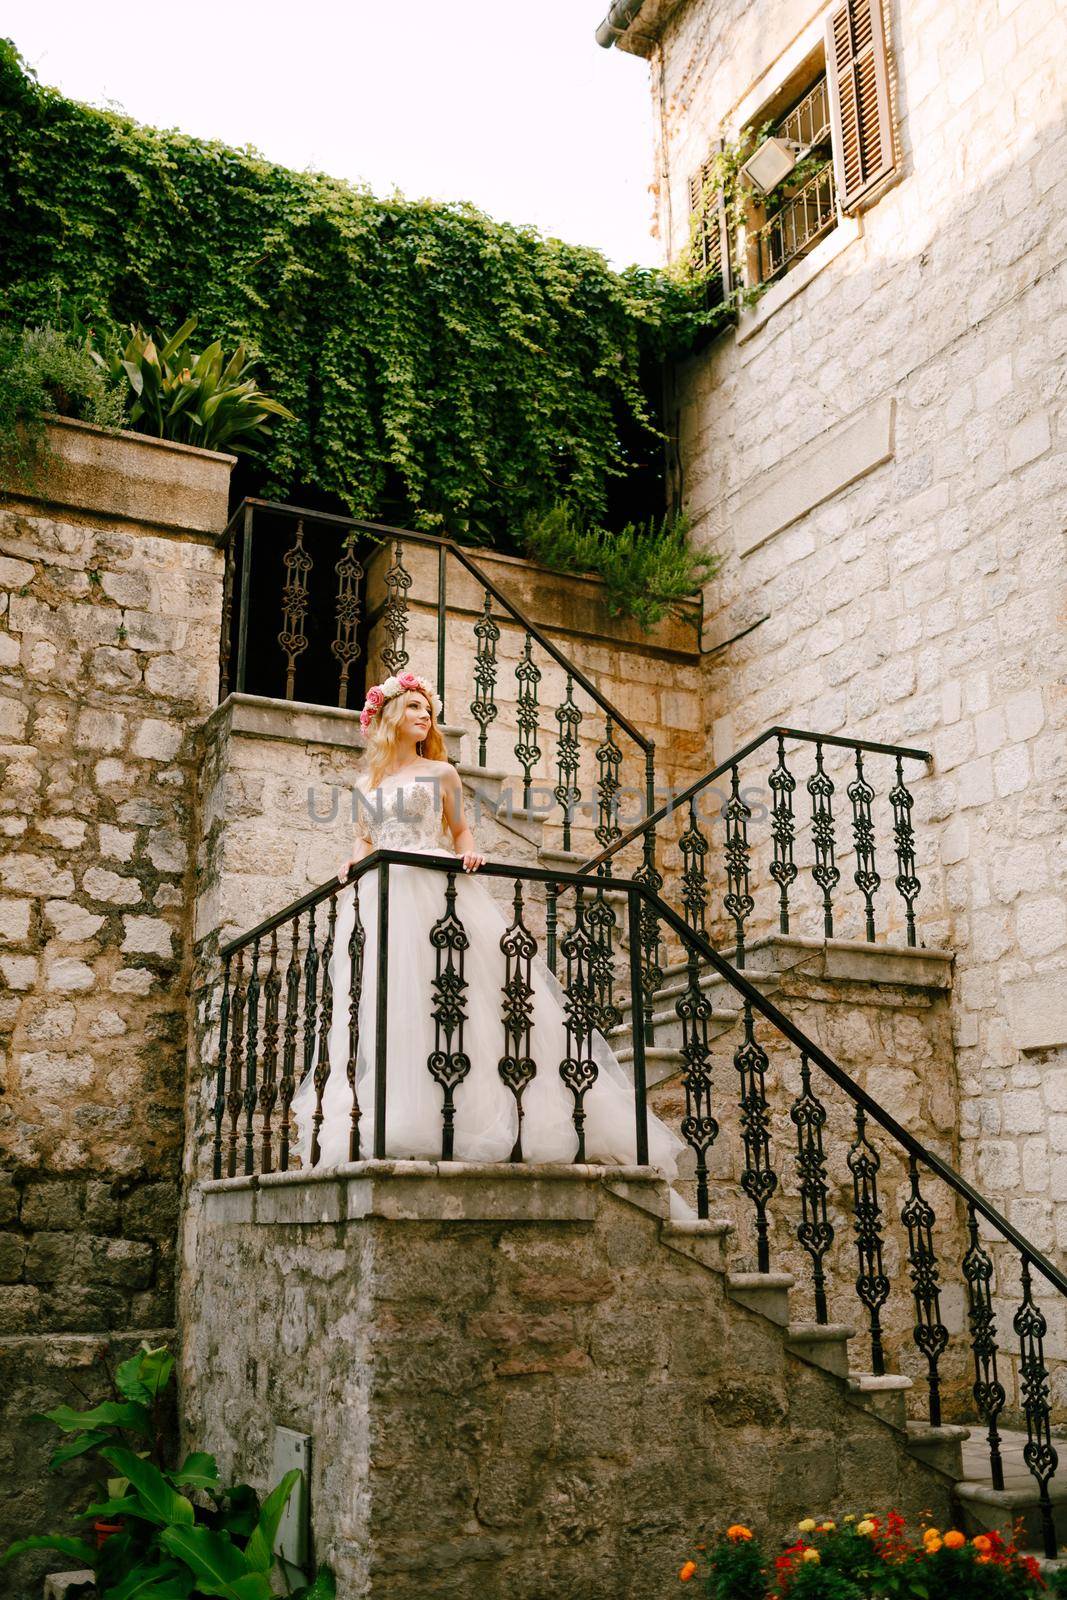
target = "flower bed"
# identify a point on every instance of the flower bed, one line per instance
(869, 1558)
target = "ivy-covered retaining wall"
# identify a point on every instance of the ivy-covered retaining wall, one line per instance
(445, 370)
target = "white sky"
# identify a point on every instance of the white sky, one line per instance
(510, 104)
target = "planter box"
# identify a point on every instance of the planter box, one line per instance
(132, 477)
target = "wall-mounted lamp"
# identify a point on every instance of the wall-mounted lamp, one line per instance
(773, 161)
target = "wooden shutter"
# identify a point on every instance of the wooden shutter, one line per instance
(857, 73)
(711, 242)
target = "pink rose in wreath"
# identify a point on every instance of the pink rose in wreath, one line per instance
(408, 680)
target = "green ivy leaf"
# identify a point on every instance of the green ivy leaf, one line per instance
(111, 1413)
(76, 1549)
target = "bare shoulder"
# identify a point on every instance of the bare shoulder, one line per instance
(443, 771)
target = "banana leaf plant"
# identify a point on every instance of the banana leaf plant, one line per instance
(181, 1533)
(206, 399)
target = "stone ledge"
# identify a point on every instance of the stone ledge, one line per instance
(429, 1191)
(855, 960)
(254, 716)
(132, 476)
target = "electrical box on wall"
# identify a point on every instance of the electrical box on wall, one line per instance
(293, 1542)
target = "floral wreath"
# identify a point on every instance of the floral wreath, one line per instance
(402, 683)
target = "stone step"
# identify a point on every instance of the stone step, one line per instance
(822, 1344)
(940, 1447)
(667, 1030)
(883, 1394)
(700, 1240)
(984, 1509)
(764, 1292)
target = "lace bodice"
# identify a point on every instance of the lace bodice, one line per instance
(402, 816)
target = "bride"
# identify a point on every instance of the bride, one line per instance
(408, 790)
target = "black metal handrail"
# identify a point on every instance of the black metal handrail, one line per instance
(589, 1004)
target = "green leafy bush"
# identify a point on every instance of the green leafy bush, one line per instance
(179, 1533)
(204, 400)
(647, 568)
(43, 371)
(446, 371)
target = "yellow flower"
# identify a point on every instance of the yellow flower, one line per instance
(810, 1555)
(848, 1518)
(687, 1571)
(866, 1526)
(807, 1526)
(954, 1539)
(737, 1533)
(827, 1527)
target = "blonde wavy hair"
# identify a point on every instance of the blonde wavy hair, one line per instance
(382, 735)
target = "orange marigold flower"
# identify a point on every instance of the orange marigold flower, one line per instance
(954, 1539)
(687, 1571)
(983, 1543)
(811, 1555)
(933, 1546)
(736, 1533)
(930, 1534)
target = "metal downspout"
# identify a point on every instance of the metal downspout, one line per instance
(621, 14)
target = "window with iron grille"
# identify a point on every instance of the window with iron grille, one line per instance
(831, 120)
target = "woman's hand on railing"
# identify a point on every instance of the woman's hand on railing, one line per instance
(472, 860)
(345, 867)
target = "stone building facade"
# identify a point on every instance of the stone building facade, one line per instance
(878, 452)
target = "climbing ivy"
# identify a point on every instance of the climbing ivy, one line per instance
(444, 370)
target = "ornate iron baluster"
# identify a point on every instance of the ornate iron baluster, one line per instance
(287, 1087)
(758, 1179)
(609, 760)
(568, 717)
(872, 1285)
(234, 1098)
(292, 638)
(516, 1066)
(248, 1099)
(699, 1127)
(449, 1067)
(551, 920)
(783, 868)
(483, 707)
(220, 1071)
(345, 646)
(694, 847)
(528, 751)
(395, 612)
(989, 1394)
(1039, 1453)
(357, 940)
(865, 877)
(602, 920)
(907, 883)
(268, 1094)
(738, 901)
(815, 1233)
(826, 874)
(311, 973)
(651, 971)
(930, 1333)
(578, 1069)
(322, 1055)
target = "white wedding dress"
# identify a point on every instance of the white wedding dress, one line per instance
(403, 817)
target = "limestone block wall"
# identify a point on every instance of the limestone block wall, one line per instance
(881, 461)
(513, 1386)
(110, 597)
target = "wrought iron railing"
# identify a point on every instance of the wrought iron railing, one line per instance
(809, 121)
(739, 859)
(278, 1004)
(800, 222)
(318, 599)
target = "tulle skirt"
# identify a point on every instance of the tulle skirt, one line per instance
(486, 1118)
